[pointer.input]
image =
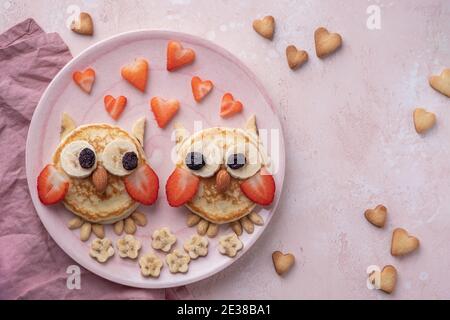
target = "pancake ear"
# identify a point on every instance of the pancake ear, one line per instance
(67, 125)
(251, 127)
(138, 130)
(181, 134)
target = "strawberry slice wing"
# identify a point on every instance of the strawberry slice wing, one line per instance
(181, 187)
(143, 185)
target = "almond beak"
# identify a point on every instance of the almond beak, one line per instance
(223, 181)
(100, 179)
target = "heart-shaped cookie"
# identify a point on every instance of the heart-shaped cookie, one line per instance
(423, 120)
(376, 216)
(388, 279)
(295, 58)
(441, 83)
(326, 42)
(402, 243)
(265, 27)
(384, 279)
(83, 25)
(282, 262)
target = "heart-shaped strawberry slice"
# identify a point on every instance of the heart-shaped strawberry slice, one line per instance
(84, 79)
(164, 110)
(114, 106)
(229, 106)
(177, 56)
(136, 73)
(200, 88)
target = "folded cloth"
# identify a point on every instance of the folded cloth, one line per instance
(32, 266)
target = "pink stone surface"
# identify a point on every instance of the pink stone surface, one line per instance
(347, 122)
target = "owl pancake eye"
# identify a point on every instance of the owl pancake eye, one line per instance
(236, 161)
(242, 158)
(78, 159)
(203, 158)
(130, 160)
(120, 157)
(195, 161)
(87, 158)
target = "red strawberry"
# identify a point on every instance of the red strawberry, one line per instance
(229, 106)
(181, 187)
(115, 106)
(136, 73)
(84, 79)
(200, 88)
(177, 56)
(143, 185)
(52, 186)
(259, 188)
(164, 110)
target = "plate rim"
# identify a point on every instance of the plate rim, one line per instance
(163, 34)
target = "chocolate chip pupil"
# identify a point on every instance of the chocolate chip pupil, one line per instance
(195, 160)
(130, 160)
(236, 161)
(86, 158)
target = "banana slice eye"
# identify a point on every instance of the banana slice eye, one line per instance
(203, 159)
(195, 160)
(120, 157)
(78, 159)
(236, 161)
(243, 159)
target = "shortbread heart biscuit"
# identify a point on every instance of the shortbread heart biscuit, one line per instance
(265, 27)
(441, 83)
(326, 42)
(388, 279)
(376, 216)
(295, 58)
(282, 262)
(402, 243)
(83, 24)
(423, 120)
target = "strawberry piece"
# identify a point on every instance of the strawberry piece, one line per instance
(181, 187)
(229, 106)
(52, 186)
(177, 56)
(259, 188)
(164, 110)
(143, 185)
(114, 106)
(200, 88)
(136, 73)
(84, 79)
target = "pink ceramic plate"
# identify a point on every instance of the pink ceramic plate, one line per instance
(107, 57)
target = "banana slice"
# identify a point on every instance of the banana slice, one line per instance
(212, 155)
(113, 154)
(70, 159)
(138, 130)
(67, 125)
(252, 159)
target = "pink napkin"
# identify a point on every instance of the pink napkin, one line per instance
(32, 266)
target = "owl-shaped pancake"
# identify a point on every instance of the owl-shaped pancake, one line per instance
(99, 172)
(221, 173)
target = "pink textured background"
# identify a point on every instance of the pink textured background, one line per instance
(350, 139)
